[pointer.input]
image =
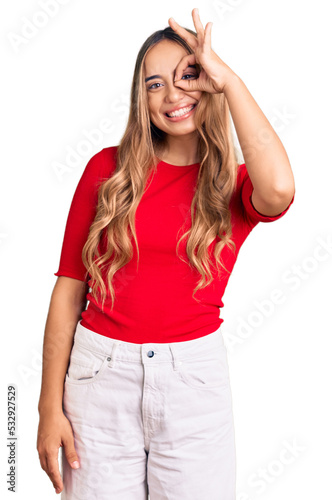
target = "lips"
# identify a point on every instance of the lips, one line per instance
(180, 109)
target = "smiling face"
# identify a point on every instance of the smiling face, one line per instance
(163, 96)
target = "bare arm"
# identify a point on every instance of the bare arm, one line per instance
(264, 154)
(68, 300)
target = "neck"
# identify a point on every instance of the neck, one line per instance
(180, 150)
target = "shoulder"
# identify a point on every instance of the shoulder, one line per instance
(102, 164)
(109, 156)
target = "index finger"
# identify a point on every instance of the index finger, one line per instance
(183, 65)
(53, 470)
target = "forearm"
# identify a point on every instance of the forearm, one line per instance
(264, 155)
(64, 313)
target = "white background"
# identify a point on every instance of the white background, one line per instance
(60, 84)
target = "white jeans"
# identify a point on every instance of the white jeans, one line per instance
(153, 418)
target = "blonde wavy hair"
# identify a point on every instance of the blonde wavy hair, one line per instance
(119, 196)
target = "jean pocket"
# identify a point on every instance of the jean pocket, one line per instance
(206, 373)
(85, 366)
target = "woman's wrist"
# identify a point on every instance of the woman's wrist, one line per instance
(50, 406)
(232, 80)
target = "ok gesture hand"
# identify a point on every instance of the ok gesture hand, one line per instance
(214, 72)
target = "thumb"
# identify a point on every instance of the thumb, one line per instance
(70, 452)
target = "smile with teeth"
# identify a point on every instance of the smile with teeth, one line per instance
(181, 112)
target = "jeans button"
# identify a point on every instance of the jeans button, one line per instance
(150, 354)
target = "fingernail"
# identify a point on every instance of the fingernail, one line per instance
(75, 464)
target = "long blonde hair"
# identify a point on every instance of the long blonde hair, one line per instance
(119, 196)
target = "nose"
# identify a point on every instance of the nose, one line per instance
(173, 93)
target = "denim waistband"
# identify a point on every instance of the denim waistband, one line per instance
(156, 352)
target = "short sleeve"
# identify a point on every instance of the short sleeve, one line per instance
(81, 215)
(246, 191)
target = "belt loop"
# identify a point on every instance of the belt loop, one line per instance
(115, 346)
(176, 362)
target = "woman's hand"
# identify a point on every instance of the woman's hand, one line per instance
(55, 430)
(214, 74)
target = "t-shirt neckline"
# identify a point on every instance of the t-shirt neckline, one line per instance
(178, 166)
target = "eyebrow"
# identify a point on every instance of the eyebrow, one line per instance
(159, 76)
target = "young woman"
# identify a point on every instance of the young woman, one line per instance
(135, 384)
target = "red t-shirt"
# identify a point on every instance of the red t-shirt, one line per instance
(154, 302)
